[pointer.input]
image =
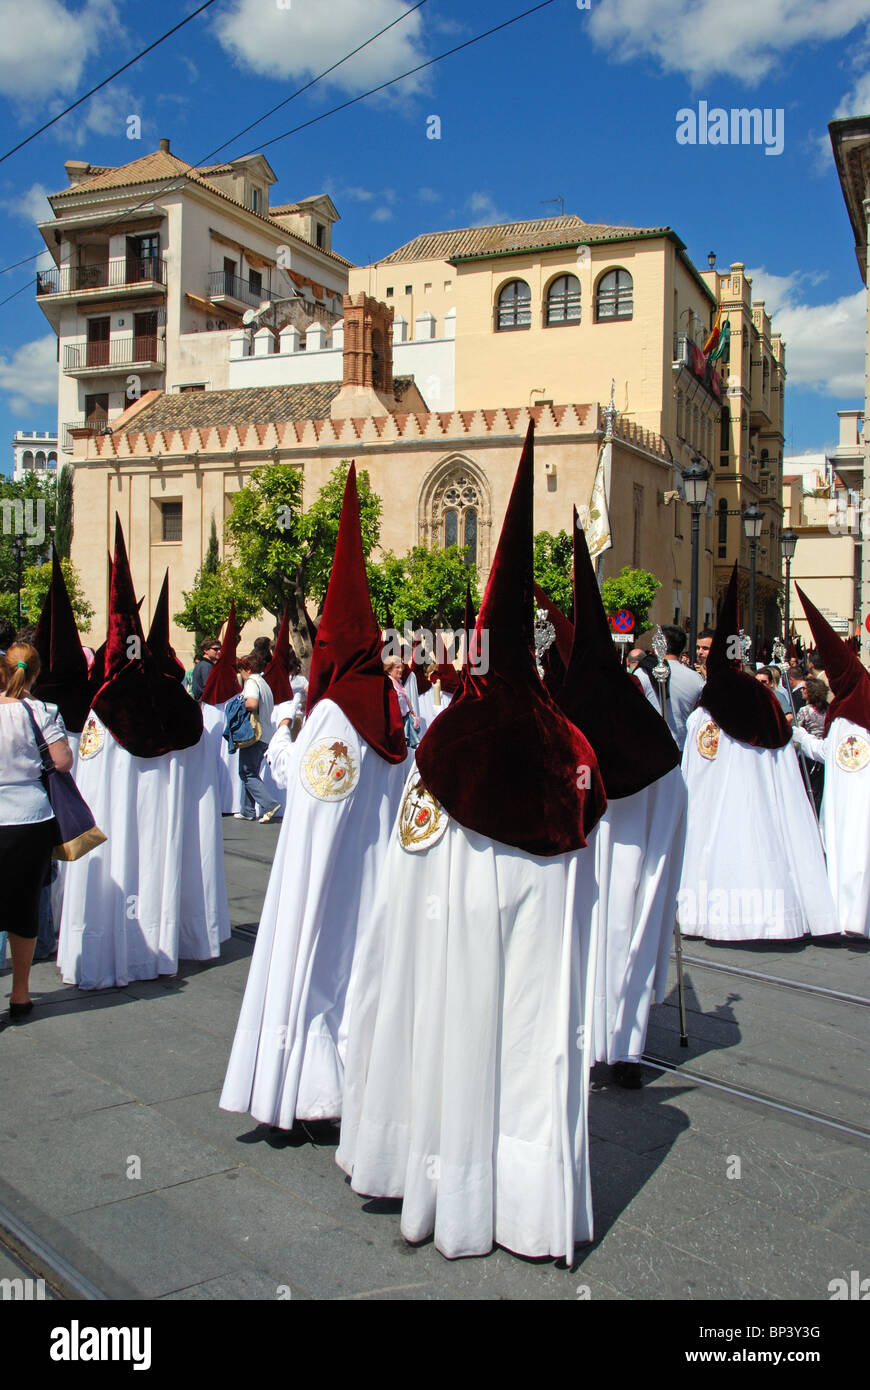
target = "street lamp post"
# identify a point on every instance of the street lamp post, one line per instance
(789, 544)
(753, 521)
(695, 484)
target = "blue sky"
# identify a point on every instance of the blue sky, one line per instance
(572, 101)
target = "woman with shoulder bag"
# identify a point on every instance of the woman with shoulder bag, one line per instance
(259, 703)
(28, 829)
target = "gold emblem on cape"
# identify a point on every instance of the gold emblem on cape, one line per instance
(708, 740)
(853, 753)
(93, 737)
(329, 771)
(422, 820)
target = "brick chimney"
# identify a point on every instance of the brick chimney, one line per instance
(367, 383)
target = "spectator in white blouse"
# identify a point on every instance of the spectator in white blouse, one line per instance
(28, 830)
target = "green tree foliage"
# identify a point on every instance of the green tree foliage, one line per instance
(279, 554)
(554, 568)
(210, 567)
(37, 581)
(207, 605)
(634, 589)
(27, 513)
(425, 588)
(63, 526)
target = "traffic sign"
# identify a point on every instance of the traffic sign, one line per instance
(623, 621)
(867, 622)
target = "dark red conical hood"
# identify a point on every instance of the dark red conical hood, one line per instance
(158, 637)
(632, 743)
(346, 666)
(223, 682)
(847, 678)
(63, 677)
(741, 705)
(469, 623)
(277, 673)
(554, 660)
(502, 759)
(147, 712)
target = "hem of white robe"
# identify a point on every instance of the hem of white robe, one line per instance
(529, 1180)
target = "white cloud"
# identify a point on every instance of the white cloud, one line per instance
(428, 195)
(297, 43)
(104, 114)
(49, 46)
(856, 102)
(382, 214)
(824, 343)
(484, 210)
(29, 376)
(700, 39)
(31, 205)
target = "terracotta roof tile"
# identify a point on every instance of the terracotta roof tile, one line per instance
(510, 236)
(160, 164)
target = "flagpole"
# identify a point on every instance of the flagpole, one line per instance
(606, 445)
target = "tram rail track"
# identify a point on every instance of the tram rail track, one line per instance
(27, 1248)
(782, 981)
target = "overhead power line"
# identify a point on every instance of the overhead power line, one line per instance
(106, 80)
(342, 106)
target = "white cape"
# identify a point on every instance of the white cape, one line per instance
(155, 892)
(288, 1052)
(754, 867)
(467, 1064)
(638, 846)
(845, 821)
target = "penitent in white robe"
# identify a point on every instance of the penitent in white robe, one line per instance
(845, 751)
(155, 892)
(638, 847)
(229, 781)
(429, 711)
(467, 1063)
(754, 867)
(288, 1052)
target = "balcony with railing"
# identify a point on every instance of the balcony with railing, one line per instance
(97, 424)
(224, 284)
(121, 272)
(147, 352)
(688, 354)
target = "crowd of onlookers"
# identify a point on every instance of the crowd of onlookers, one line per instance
(801, 689)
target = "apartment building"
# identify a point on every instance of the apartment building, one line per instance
(822, 499)
(157, 263)
(850, 140)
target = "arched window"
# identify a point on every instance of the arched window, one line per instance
(514, 306)
(563, 300)
(459, 504)
(40, 459)
(52, 460)
(615, 297)
(27, 459)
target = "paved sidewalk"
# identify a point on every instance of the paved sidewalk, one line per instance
(113, 1148)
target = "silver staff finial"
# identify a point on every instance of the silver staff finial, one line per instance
(545, 636)
(659, 645)
(745, 646)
